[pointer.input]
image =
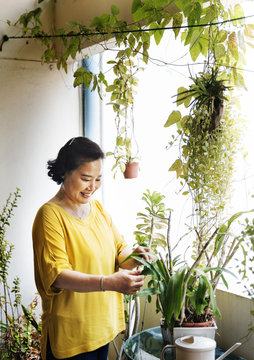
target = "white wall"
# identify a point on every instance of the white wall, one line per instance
(235, 321)
(39, 112)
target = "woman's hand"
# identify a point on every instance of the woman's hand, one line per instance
(146, 253)
(124, 281)
(132, 263)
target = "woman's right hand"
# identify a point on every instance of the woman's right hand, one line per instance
(124, 281)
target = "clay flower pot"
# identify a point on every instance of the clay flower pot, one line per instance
(131, 170)
(202, 324)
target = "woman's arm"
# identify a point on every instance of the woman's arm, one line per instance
(124, 281)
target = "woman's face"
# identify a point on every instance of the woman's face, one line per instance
(80, 184)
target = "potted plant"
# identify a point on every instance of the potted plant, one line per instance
(19, 330)
(126, 152)
(185, 288)
(124, 162)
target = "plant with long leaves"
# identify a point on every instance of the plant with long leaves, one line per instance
(186, 293)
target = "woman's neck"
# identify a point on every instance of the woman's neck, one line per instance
(80, 211)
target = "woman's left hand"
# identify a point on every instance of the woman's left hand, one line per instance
(132, 263)
(146, 253)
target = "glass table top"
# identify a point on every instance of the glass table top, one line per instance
(148, 345)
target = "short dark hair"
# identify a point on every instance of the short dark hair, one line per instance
(73, 154)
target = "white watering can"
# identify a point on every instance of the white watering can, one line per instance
(196, 348)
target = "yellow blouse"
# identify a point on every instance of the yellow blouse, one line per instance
(76, 322)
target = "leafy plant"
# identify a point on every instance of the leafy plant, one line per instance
(185, 290)
(21, 337)
(149, 234)
(6, 250)
(19, 332)
(122, 90)
(152, 221)
(208, 92)
(133, 42)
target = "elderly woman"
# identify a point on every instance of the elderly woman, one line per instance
(77, 252)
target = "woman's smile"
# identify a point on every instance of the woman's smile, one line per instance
(80, 184)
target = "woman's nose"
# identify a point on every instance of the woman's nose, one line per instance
(91, 186)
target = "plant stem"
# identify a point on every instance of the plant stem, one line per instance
(194, 265)
(170, 260)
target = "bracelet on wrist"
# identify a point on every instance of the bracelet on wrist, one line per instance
(101, 283)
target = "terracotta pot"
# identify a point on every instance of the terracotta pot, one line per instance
(202, 324)
(131, 170)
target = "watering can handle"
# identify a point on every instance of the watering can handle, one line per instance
(230, 350)
(165, 348)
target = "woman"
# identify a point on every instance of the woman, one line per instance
(77, 251)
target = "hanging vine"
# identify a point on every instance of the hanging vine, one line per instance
(193, 22)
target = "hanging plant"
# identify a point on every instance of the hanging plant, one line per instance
(126, 152)
(208, 91)
(209, 133)
(150, 20)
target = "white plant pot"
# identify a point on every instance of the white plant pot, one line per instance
(179, 332)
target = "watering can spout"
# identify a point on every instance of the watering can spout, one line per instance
(229, 351)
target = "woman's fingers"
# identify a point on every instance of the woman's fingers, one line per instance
(124, 281)
(146, 252)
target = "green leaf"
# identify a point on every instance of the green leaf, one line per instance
(173, 118)
(120, 141)
(203, 43)
(238, 11)
(219, 51)
(177, 166)
(183, 96)
(223, 34)
(194, 38)
(195, 51)
(149, 291)
(198, 295)
(82, 77)
(139, 13)
(218, 268)
(158, 34)
(136, 4)
(213, 304)
(111, 88)
(232, 44)
(74, 46)
(171, 299)
(177, 22)
(115, 10)
(72, 23)
(250, 44)
(122, 167)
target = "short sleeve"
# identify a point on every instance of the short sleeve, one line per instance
(50, 256)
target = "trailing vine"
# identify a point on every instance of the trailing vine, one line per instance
(151, 19)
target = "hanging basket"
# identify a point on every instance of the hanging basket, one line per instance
(131, 170)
